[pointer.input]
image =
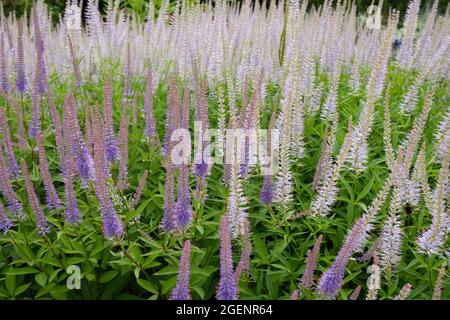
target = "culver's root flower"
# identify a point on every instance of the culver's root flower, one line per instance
(181, 290)
(111, 148)
(327, 193)
(5, 222)
(21, 79)
(391, 237)
(433, 239)
(227, 288)
(150, 123)
(7, 143)
(53, 201)
(112, 226)
(355, 293)
(331, 280)
(439, 283)
(6, 188)
(138, 193)
(244, 261)
(311, 261)
(404, 292)
(41, 219)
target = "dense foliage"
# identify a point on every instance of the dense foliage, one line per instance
(85, 181)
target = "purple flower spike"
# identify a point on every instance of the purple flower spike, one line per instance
(21, 80)
(53, 200)
(72, 213)
(41, 220)
(227, 289)
(266, 195)
(183, 206)
(112, 226)
(331, 281)
(181, 291)
(311, 261)
(111, 147)
(35, 122)
(14, 205)
(169, 218)
(4, 79)
(5, 223)
(13, 167)
(150, 125)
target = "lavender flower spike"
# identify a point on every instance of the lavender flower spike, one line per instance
(331, 281)
(150, 125)
(5, 222)
(227, 289)
(111, 147)
(53, 200)
(13, 167)
(41, 220)
(181, 291)
(112, 226)
(307, 279)
(72, 213)
(21, 79)
(4, 79)
(266, 194)
(7, 189)
(35, 122)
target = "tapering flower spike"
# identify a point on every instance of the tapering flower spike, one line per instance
(75, 67)
(434, 238)
(112, 226)
(150, 123)
(14, 205)
(41, 70)
(181, 290)
(4, 78)
(111, 148)
(58, 130)
(137, 195)
(391, 237)
(41, 219)
(35, 122)
(169, 218)
(244, 261)
(75, 145)
(331, 281)
(183, 205)
(72, 212)
(123, 149)
(311, 261)
(13, 166)
(53, 201)
(227, 289)
(5, 222)
(404, 292)
(355, 293)
(21, 79)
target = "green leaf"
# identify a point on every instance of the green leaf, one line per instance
(21, 271)
(21, 289)
(108, 276)
(41, 279)
(147, 285)
(10, 284)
